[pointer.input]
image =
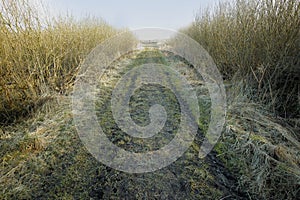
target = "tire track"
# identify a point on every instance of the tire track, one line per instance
(187, 178)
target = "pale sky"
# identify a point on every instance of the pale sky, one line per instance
(170, 14)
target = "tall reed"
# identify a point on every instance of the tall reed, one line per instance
(256, 42)
(38, 57)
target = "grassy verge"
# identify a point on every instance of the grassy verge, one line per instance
(255, 45)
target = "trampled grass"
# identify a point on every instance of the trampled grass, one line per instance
(256, 46)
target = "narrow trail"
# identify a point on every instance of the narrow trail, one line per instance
(187, 178)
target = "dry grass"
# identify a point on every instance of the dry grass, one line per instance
(25, 149)
(261, 152)
(44, 158)
(258, 42)
(39, 59)
(255, 45)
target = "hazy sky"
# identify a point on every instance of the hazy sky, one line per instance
(172, 14)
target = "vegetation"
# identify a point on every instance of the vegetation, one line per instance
(43, 157)
(40, 58)
(255, 45)
(256, 42)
